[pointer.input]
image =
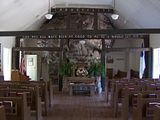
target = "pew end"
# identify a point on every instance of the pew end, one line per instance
(156, 114)
(2, 113)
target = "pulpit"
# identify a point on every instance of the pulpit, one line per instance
(17, 76)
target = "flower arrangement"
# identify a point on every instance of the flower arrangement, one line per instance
(81, 72)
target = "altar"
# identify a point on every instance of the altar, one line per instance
(81, 89)
(79, 84)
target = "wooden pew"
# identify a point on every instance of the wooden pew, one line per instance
(45, 89)
(147, 88)
(2, 113)
(118, 85)
(144, 108)
(130, 100)
(45, 92)
(33, 99)
(119, 95)
(110, 88)
(16, 107)
(48, 90)
(156, 115)
(113, 85)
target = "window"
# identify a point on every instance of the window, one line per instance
(156, 63)
(7, 63)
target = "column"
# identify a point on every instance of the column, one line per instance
(103, 61)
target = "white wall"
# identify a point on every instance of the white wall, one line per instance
(119, 58)
(135, 56)
(118, 61)
(155, 40)
(6, 42)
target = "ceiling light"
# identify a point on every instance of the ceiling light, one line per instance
(114, 16)
(48, 16)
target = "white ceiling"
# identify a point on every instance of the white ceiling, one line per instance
(29, 14)
(138, 13)
(21, 14)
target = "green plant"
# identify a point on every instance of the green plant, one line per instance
(66, 69)
(96, 69)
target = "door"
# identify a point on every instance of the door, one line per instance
(31, 66)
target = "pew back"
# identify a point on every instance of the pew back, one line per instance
(16, 107)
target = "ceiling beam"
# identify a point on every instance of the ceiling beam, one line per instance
(136, 49)
(37, 49)
(82, 10)
(81, 33)
(64, 33)
(91, 36)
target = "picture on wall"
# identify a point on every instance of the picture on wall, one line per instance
(109, 59)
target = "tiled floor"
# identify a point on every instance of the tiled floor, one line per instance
(80, 108)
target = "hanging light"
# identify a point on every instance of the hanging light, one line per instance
(49, 16)
(114, 16)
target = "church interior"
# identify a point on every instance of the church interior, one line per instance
(79, 60)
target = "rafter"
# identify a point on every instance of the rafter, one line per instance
(136, 49)
(82, 34)
(37, 49)
(82, 10)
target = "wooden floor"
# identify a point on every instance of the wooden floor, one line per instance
(80, 108)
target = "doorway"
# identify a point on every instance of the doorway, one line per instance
(31, 66)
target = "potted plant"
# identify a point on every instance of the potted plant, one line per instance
(65, 69)
(96, 69)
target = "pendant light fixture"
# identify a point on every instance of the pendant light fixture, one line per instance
(114, 16)
(49, 15)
